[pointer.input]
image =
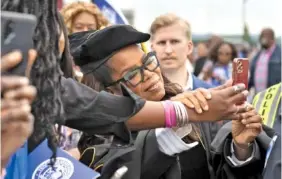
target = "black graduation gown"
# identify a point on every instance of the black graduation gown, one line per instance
(144, 160)
(197, 163)
(95, 112)
(98, 112)
(149, 162)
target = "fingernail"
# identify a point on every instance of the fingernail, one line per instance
(244, 121)
(200, 110)
(208, 96)
(24, 101)
(26, 108)
(241, 86)
(248, 125)
(192, 106)
(206, 108)
(15, 55)
(245, 93)
(24, 81)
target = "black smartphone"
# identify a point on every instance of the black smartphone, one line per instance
(16, 34)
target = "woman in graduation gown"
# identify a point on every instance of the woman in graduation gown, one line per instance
(166, 164)
(123, 62)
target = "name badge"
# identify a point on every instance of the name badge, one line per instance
(65, 167)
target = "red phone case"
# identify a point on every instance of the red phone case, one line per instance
(240, 72)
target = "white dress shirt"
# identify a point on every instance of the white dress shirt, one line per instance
(189, 66)
(170, 142)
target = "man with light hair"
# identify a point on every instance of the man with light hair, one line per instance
(172, 41)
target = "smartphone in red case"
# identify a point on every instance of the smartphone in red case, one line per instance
(240, 72)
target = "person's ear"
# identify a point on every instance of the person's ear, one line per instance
(190, 48)
(151, 41)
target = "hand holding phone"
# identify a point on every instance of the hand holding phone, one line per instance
(240, 72)
(13, 59)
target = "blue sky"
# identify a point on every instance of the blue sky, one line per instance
(209, 16)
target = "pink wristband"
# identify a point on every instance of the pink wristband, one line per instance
(170, 115)
(167, 114)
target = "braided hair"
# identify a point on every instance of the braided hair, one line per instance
(46, 74)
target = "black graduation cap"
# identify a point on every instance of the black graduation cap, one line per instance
(91, 49)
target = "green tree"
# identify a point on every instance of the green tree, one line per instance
(246, 34)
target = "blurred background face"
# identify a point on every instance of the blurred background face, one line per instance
(266, 38)
(224, 54)
(202, 50)
(130, 58)
(172, 46)
(84, 21)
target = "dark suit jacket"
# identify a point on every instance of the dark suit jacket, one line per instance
(199, 64)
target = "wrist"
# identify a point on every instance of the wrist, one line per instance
(193, 117)
(242, 150)
(241, 145)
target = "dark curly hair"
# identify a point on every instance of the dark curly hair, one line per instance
(214, 51)
(46, 72)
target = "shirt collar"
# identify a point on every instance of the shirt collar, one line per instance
(189, 66)
(189, 83)
(270, 50)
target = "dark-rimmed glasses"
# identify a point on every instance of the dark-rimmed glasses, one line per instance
(136, 76)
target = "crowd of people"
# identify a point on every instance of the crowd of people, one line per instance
(94, 92)
(213, 64)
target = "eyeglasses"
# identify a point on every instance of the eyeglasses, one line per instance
(136, 76)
